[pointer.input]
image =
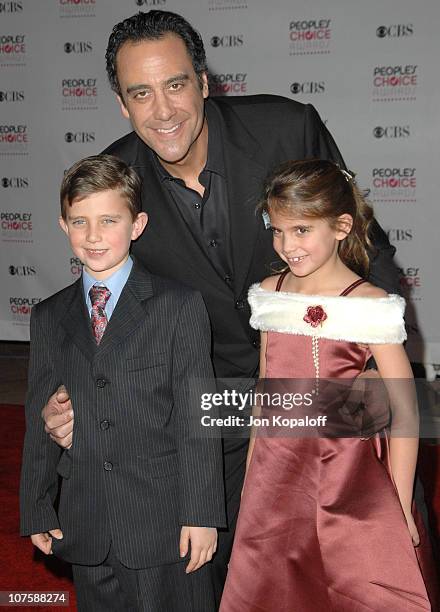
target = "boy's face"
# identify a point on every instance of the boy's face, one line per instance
(100, 229)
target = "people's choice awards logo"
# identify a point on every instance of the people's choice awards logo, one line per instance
(410, 279)
(224, 84)
(395, 83)
(21, 306)
(396, 185)
(75, 267)
(14, 139)
(310, 36)
(15, 226)
(12, 49)
(79, 93)
(77, 8)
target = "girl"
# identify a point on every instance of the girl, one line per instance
(325, 522)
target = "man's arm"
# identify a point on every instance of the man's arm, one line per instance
(39, 481)
(319, 143)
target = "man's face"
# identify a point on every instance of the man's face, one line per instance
(163, 98)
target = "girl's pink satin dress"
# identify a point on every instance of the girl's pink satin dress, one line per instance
(321, 528)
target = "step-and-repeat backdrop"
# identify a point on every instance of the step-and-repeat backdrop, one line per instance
(370, 68)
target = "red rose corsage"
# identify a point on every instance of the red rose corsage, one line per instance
(315, 316)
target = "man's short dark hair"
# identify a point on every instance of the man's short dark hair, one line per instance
(153, 25)
(99, 173)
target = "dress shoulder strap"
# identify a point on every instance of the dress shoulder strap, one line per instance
(281, 279)
(353, 286)
(346, 291)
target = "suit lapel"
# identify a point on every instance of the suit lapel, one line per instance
(246, 171)
(130, 311)
(76, 321)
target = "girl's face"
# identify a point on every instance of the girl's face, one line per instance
(306, 244)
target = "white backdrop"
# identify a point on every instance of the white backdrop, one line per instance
(370, 68)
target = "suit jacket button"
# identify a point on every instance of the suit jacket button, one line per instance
(239, 304)
(101, 382)
(104, 424)
(108, 466)
(256, 344)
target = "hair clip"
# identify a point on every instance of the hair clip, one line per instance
(349, 176)
(266, 219)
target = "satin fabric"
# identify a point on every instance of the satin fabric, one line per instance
(320, 525)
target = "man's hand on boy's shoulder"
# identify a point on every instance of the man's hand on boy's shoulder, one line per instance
(43, 541)
(203, 542)
(58, 417)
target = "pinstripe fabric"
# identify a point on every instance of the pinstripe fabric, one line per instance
(136, 472)
(111, 587)
(99, 590)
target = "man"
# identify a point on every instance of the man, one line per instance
(203, 164)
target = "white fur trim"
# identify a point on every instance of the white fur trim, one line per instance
(353, 319)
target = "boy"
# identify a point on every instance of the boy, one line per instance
(139, 487)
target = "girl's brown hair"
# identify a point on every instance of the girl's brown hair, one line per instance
(319, 189)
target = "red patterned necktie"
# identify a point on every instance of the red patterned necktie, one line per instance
(99, 297)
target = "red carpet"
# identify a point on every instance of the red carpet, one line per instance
(24, 568)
